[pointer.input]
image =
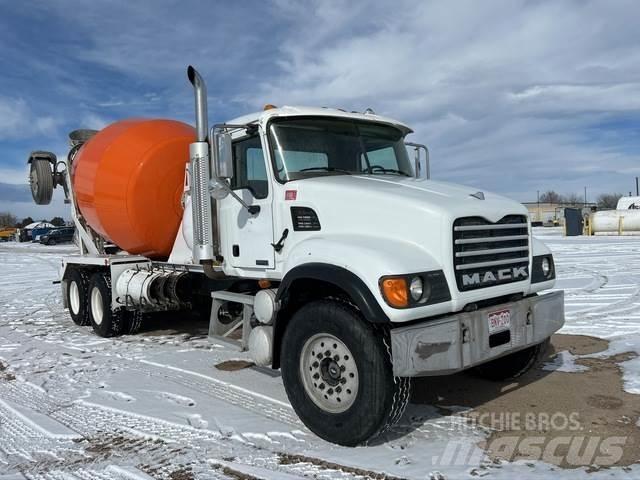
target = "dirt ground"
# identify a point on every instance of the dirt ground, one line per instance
(575, 418)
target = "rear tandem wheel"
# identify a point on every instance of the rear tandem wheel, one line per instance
(105, 321)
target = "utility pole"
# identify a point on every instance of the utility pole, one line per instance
(585, 196)
(538, 205)
(637, 191)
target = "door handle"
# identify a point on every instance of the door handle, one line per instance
(278, 246)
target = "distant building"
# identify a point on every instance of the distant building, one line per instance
(552, 214)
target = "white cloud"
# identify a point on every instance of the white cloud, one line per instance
(17, 120)
(15, 175)
(94, 121)
(39, 212)
(503, 92)
(509, 95)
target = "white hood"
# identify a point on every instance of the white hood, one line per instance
(381, 191)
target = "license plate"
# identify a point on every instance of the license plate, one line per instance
(499, 321)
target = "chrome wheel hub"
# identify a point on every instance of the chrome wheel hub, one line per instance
(74, 298)
(97, 308)
(329, 373)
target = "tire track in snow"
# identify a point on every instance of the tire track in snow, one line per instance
(154, 445)
(221, 390)
(228, 392)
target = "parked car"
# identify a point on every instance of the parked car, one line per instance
(7, 234)
(37, 232)
(59, 235)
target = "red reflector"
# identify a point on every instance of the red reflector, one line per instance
(290, 194)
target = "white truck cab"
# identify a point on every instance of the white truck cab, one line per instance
(344, 264)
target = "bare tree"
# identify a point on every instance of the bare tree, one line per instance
(573, 199)
(551, 197)
(58, 222)
(608, 200)
(7, 219)
(25, 222)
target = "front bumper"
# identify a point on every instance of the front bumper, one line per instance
(457, 342)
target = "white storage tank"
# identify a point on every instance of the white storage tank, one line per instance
(616, 222)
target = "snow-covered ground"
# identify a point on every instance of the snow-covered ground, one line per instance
(601, 279)
(154, 405)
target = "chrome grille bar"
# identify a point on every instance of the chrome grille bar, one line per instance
(508, 261)
(474, 253)
(505, 226)
(491, 239)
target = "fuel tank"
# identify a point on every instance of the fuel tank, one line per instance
(128, 181)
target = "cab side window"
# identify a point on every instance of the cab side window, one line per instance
(249, 168)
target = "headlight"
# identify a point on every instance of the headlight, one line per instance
(546, 266)
(416, 288)
(542, 269)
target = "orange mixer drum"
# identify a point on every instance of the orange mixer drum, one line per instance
(128, 181)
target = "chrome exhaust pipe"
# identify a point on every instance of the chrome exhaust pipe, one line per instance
(200, 173)
(200, 90)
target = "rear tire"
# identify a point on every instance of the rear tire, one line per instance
(51, 242)
(337, 372)
(513, 365)
(77, 296)
(135, 321)
(41, 181)
(105, 321)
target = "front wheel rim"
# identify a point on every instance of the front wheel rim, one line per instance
(329, 373)
(97, 307)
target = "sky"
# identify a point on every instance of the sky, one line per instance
(510, 96)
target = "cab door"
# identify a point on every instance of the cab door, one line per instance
(246, 239)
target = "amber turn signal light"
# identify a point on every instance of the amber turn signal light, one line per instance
(395, 291)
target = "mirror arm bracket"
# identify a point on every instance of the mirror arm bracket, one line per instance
(252, 209)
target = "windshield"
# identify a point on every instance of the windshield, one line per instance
(312, 147)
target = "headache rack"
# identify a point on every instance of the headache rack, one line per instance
(485, 254)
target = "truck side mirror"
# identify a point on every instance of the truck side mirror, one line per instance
(223, 155)
(418, 170)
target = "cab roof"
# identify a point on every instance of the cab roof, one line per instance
(264, 116)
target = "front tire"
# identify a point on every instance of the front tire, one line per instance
(513, 365)
(105, 321)
(337, 372)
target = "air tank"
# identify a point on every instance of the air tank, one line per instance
(128, 181)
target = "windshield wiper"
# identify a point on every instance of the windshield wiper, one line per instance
(378, 169)
(325, 169)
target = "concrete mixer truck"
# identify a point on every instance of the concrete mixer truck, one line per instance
(314, 239)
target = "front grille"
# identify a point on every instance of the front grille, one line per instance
(487, 254)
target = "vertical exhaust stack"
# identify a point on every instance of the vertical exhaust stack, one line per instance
(200, 91)
(200, 173)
